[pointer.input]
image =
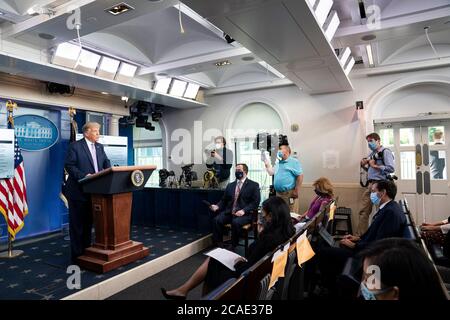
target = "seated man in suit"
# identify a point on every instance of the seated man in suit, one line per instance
(84, 157)
(389, 221)
(241, 197)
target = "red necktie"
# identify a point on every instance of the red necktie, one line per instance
(236, 195)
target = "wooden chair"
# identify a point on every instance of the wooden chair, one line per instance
(247, 229)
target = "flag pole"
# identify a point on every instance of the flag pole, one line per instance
(10, 253)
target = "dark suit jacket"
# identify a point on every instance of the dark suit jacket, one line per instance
(79, 163)
(248, 199)
(387, 223)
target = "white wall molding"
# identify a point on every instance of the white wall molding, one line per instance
(375, 103)
(229, 121)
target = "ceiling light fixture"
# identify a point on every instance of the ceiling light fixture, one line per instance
(222, 63)
(178, 88)
(370, 55)
(126, 72)
(108, 68)
(192, 91)
(331, 25)
(162, 85)
(88, 61)
(119, 8)
(37, 10)
(66, 55)
(343, 57)
(105, 93)
(349, 66)
(322, 8)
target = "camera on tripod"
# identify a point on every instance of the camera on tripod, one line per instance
(166, 178)
(187, 175)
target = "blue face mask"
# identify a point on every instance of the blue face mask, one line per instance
(280, 154)
(372, 145)
(374, 198)
(366, 293)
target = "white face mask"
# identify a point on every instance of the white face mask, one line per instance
(218, 146)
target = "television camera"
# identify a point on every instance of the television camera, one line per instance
(140, 112)
(167, 179)
(187, 176)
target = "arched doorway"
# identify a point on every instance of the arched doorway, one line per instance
(251, 119)
(413, 120)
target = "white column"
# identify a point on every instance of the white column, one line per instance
(114, 125)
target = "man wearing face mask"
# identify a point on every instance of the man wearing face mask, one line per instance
(388, 222)
(288, 177)
(221, 159)
(380, 164)
(240, 199)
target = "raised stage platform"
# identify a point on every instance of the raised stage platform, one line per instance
(41, 272)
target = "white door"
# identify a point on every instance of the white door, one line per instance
(421, 152)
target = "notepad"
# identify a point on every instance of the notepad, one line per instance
(225, 257)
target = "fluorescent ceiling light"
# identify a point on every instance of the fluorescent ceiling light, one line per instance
(109, 65)
(192, 91)
(311, 3)
(108, 68)
(331, 25)
(66, 55)
(370, 55)
(322, 8)
(162, 85)
(126, 72)
(343, 57)
(178, 88)
(88, 61)
(349, 66)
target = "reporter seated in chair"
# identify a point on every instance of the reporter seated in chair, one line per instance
(240, 199)
(324, 195)
(389, 221)
(405, 272)
(274, 228)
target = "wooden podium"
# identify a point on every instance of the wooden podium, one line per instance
(111, 192)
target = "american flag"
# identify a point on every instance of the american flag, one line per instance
(13, 194)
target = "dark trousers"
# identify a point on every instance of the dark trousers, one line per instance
(80, 226)
(224, 218)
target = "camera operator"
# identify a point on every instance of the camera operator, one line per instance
(380, 164)
(221, 159)
(288, 176)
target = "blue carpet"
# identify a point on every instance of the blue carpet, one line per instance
(40, 273)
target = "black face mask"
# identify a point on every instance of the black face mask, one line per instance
(320, 194)
(239, 175)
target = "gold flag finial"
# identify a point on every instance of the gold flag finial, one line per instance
(11, 105)
(72, 112)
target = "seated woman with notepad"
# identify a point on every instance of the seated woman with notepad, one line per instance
(324, 195)
(274, 228)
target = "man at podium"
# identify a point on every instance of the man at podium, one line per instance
(84, 157)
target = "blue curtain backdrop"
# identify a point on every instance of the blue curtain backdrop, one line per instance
(43, 172)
